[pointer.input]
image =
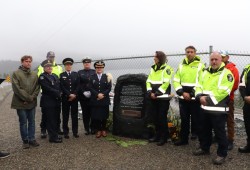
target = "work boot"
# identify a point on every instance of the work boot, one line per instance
(200, 151)
(244, 149)
(180, 142)
(33, 143)
(193, 137)
(26, 144)
(218, 160)
(161, 142)
(155, 138)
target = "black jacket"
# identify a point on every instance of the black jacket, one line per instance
(84, 76)
(96, 87)
(69, 84)
(51, 91)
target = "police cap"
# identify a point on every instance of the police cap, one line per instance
(46, 63)
(99, 64)
(86, 60)
(68, 61)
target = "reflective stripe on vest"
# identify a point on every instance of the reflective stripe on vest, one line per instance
(220, 109)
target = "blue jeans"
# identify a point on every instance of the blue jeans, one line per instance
(27, 123)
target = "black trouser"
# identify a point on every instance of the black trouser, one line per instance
(246, 116)
(51, 121)
(44, 119)
(216, 122)
(187, 109)
(100, 125)
(71, 106)
(86, 114)
(160, 110)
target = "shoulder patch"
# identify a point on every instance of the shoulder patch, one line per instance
(230, 77)
(41, 77)
(168, 71)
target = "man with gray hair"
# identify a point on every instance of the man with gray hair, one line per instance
(213, 90)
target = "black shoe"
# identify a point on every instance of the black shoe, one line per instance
(76, 135)
(26, 144)
(87, 132)
(66, 136)
(200, 151)
(59, 137)
(34, 143)
(92, 132)
(161, 142)
(244, 149)
(55, 140)
(154, 139)
(230, 145)
(180, 142)
(60, 132)
(218, 160)
(193, 137)
(43, 135)
(4, 154)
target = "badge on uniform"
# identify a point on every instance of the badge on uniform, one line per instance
(168, 71)
(230, 77)
(64, 77)
(41, 77)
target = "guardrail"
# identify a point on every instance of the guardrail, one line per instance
(5, 89)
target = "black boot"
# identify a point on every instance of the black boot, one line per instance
(155, 138)
(161, 142)
(244, 149)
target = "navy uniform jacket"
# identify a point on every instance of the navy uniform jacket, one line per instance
(102, 86)
(84, 76)
(69, 84)
(51, 91)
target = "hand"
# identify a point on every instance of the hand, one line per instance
(247, 99)
(203, 100)
(186, 96)
(152, 95)
(72, 97)
(100, 96)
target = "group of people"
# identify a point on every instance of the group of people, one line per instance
(60, 91)
(205, 94)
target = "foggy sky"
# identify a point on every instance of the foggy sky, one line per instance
(116, 28)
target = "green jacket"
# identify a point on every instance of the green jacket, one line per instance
(56, 69)
(216, 85)
(159, 79)
(26, 89)
(187, 74)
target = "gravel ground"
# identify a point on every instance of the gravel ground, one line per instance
(87, 152)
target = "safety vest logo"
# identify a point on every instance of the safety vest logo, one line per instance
(230, 77)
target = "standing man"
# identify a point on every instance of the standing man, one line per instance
(245, 93)
(230, 119)
(84, 94)
(185, 81)
(56, 69)
(69, 81)
(26, 89)
(213, 91)
(50, 100)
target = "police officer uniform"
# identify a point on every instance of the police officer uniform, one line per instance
(99, 83)
(56, 69)
(245, 92)
(50, 101)
(84, 96)
(69, 81)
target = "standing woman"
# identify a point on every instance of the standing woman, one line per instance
(100, 86)
(50, 100)
(158, 83)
